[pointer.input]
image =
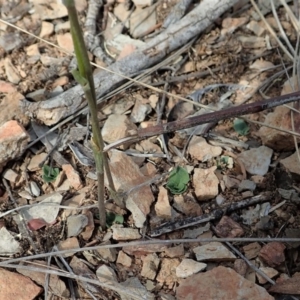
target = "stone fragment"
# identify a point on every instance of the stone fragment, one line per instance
(106, 275)
(176, 251)
(13, 141)
(187, 205)
(53, 10)
(252, 250)
(108, 254)
(35, 162)
(141, 20)
(273, 253)
(206, 183)
(64, 40)
(68, 244)
(8, 244)
(126, 175)
(144, 249)
(227, 228)
(275, 139)
(150, 266)
(189, 267)
(291, 163)
(11, 175)
(199, 149)
(117, 127)
(89, 228)
(10, 109)
(220, 283)
(11, 72)
(7, 87)
(55, 284)
(247, 185)
(231, 182)
(47, 29)
(287, 285)
(240, 266)
(73, 176)
(167, 272)
(124, 259)
(124, 234)
(140, 111)
(17, 286)
(76, 224)
(256, 160)
(213, 251)
(162, 206)
(270, 272)
(133, 285)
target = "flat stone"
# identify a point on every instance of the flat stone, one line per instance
(176, 251)
(257, 160)
(247, 185)
(68, 244)
(108, 254)
(124, 259)
(162, 206)
(7, 87)
(117, 127)
(106, 275)
(275, 139)
(270, 272)
(124, 234)
(167, 272)
(252, 250)
(213, 251)
(11, 175)
(126, 174)
(150, 265)
(199, 149)
(12, 74)
(240, 266)
(133, 285)
(227, 228)
(206, 183)
(189, 267)
(36, 161)
(187, 205)
(64, 40)
(89, 228)
(287, 285)
(13, 141)
(218, 284)
(291, 163)
(10, 109)
(76, 224)
(17, 286)
(47, 29)
(56, 285)
(73, 176)
(272, 253)
(141, 20)
(53, 10)
(140, 111)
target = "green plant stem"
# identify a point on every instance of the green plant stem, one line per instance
(85, 78)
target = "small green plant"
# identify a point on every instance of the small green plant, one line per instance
(241, 127)
(49, 173)
(178, 180)
(112, 218)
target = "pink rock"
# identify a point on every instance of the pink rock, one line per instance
(16, 286)
(13, 140)
(72, 176)
(162, 206)
(218, 284)
(7, 87)
(229, 228)
(272, 254)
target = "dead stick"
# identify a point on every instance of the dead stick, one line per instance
(216, 214)
(227, 113)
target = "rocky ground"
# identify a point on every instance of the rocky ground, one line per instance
(207, 212)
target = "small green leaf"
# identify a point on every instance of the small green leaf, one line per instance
(241, 127)
(178, 180)
(49, 173)
(112, 218)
